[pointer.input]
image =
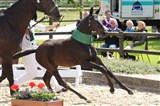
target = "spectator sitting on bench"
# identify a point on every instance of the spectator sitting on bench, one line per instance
(130, 28)
(137, 40)
(111, 41)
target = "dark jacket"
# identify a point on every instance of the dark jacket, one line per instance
(141, 39)
(113, 39)
(105, 24)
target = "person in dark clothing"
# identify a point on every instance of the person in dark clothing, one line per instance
(111, 41)
(137, 40)
(107, 19)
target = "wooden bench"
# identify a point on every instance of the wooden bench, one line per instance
(18, 69)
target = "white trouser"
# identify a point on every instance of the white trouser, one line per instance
(31, 65)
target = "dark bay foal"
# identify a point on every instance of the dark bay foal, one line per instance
(73, 51)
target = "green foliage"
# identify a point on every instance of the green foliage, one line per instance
(131, 67)
(71, 3)
(43, 96)
(34, 94)
(80, 8)
(68, 3)
(91, 3)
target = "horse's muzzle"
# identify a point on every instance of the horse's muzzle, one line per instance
(57, 18)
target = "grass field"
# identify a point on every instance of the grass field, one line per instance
(153, 44)
(68, 15)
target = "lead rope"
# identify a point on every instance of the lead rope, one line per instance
(59, 22)
(45, 17)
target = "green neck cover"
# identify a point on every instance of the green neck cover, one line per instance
(81, 37)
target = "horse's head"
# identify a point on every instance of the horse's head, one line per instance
(92, 24)
(49, 8)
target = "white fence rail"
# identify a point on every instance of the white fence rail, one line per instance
(18, 69)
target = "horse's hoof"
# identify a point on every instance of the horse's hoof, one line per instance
(130, 92)
(88, 101)
(111, 91)
(62, 90)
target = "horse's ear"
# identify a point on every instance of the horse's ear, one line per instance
(97, 12)
(91, 11)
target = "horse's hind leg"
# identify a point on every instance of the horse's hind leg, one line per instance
(65, 85)
(3, 76)
(46, 78)
(98, 61)
(7, 68)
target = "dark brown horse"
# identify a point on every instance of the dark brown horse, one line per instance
(13, 23)
(73, 51)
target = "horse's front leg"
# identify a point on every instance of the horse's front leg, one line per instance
(65, 85)
(46, 78)
(102, 69)
(98, 61)
(7, 68)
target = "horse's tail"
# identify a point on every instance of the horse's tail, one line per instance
(27, 52)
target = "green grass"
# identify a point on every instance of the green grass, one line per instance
(154, 44)
(68, 15)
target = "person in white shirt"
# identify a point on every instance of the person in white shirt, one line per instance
(29, 61)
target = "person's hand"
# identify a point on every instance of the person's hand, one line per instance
(106, 21)
(57, 25)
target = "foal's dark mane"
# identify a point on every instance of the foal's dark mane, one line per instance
(81, 25)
